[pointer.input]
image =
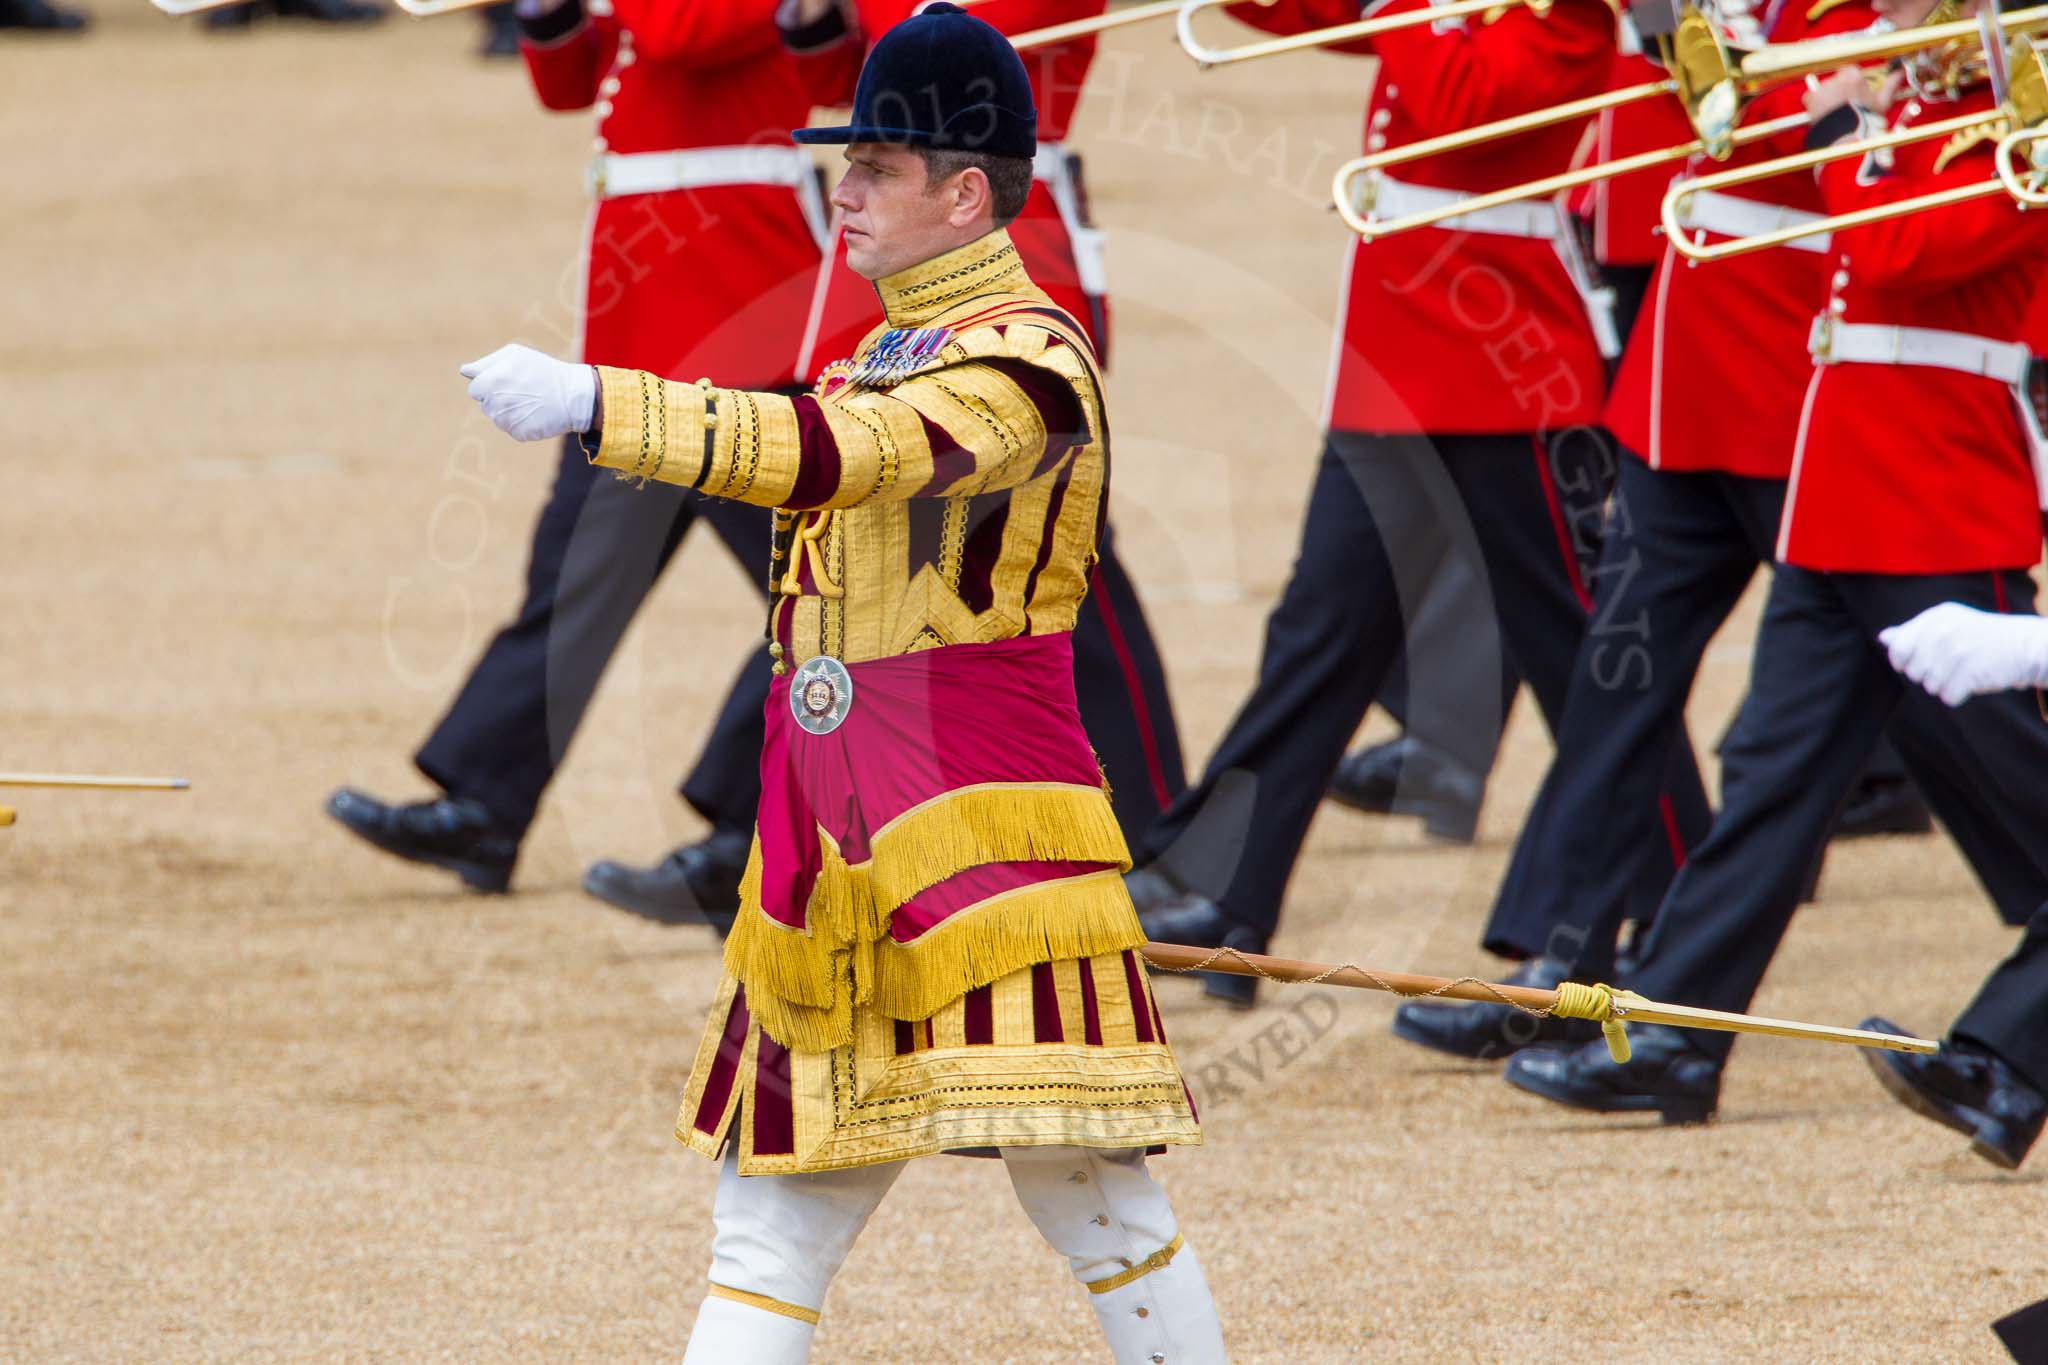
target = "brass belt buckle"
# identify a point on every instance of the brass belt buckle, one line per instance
(1822, 343)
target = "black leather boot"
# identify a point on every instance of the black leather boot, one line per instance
(1966, 1088)
(449, 832)
(1151, 887)
(1196, 920)
(1408, 777)
(1666, 1075)
(697, 884)
(1884, 806)
(1487, 1032)
(41, 16)
(501, 31)
(331, 11)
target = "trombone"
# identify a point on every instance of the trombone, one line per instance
(2029, 186)
(2021, 118)
(1100, 23)
(1206, 57)
(1705, 77)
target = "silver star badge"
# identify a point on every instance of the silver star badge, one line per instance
(821, 694)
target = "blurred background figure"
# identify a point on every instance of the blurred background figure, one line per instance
(42, 16)
(319, 11)
(501, 30)
(714, 219)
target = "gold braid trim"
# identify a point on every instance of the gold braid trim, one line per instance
(765, 1304)
(1145, 1267)
(802, 984)
(730, 443)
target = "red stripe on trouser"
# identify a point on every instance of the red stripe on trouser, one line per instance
(1134, 686)
(1578, 582)
(1564, 536)
(1998, 592)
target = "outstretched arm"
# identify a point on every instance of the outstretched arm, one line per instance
(978, 426)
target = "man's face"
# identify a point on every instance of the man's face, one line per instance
(893, 218)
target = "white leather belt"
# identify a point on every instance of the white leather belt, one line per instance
(1863, 343)
(1053, 166)
(1542, 220)
(1389, 198)
(612, 175)
(1729, 216)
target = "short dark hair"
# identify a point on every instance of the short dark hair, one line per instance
(1009, 177)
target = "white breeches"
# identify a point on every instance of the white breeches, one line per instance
(780, 1238)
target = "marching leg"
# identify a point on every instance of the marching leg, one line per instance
(777, 1243)
(1103, 1211)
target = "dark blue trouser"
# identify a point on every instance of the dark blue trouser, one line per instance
(1383, 514)
(1821, 692)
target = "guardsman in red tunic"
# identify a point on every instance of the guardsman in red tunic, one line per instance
(1911, 485)
(1621, 210)
(1706, 410)
(1438, 767)
(935, 951)
(1465, 386)
(1117, 668)
(702, 247)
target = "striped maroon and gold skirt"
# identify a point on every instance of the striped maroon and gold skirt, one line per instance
(1069, 1052)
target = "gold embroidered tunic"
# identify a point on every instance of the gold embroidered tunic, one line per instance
(934, 949)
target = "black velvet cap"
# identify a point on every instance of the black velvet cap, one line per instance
(941, 78)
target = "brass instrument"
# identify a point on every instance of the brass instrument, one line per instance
(1705, 77)
(1946, 47)
(2029, 186)
(2021, 116)
(1101, 23)
(1206, 57)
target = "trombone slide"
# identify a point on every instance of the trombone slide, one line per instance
(1697, 250)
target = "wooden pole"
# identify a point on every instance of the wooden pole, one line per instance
(1628, 1007)
(152, 784)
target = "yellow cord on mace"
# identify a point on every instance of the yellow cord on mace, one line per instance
(1604, 1005)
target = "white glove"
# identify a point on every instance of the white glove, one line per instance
(530, 396)
(1957, 652)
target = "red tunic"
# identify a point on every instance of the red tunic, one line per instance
(1912, 469)
(1624, 208)
(1465, 331)
(711, 281)
(1717, 377)
(843, 308)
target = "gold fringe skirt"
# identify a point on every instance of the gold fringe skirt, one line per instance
(1069, 1052)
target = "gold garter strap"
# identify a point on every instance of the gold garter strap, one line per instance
(802, 984)
(764, 1303)
(1145, 1267)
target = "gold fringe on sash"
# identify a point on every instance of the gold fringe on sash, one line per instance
(802, 983)
(1081, 916)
